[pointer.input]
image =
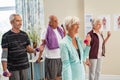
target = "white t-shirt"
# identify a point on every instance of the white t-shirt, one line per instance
(100, 45)
(55, 53)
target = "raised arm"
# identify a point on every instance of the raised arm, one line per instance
(108, 35)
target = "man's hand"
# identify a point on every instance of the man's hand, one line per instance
(7, 73)
(41, 48)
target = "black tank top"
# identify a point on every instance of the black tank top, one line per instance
(78, 51)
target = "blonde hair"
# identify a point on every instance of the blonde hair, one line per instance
(69, 21)
(95, 21)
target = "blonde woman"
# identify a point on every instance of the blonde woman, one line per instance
(72, 52)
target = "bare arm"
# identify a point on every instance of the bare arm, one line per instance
(4, 65)
(108, 35)
(41, 50)
(40, 53)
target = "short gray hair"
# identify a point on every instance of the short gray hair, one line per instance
(12, 16)
(95, 21)
(69, 21)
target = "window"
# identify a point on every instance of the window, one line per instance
(7, 7)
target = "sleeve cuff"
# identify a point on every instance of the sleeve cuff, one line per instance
(3, 59)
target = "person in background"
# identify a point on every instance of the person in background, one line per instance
(73, 54)
(97, 49)
(104, 23)
(118, 22)
(15, 45)
(51, 38)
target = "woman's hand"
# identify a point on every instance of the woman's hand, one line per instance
(87, 40)
(108, 34)
(88, 62)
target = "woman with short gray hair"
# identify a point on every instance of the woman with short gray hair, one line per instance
(97, 49)
(72, 52)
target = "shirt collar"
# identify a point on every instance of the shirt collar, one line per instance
(95, 32)
(71, 38)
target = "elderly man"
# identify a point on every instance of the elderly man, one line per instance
(15, 45)
(51, 38)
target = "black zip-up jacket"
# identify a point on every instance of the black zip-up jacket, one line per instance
(93, 54)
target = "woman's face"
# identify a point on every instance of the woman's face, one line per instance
(74, 29)
(97, 26)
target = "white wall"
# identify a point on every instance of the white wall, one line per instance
(111, 64)
(63, 8)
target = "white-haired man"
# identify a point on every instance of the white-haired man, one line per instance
(51, 38)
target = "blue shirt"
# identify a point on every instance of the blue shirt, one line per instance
(72, 66)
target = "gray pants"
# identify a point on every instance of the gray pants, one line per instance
(19, 75)
(95, 69)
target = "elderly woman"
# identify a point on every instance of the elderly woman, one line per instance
(72, 52)
(97, 50)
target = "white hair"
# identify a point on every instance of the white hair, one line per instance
(69, 21)
(95, 21)
(12, 16)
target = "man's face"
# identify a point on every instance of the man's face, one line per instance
(17, 22)
(54, 22)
